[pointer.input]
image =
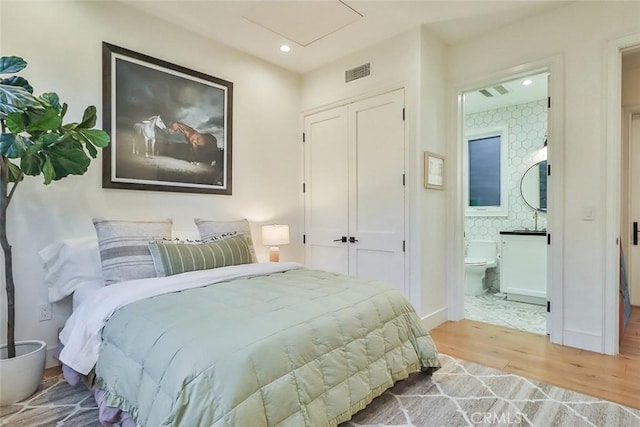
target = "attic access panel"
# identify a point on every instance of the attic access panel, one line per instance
(302, 22)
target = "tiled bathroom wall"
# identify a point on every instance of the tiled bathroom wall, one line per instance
(527, 125)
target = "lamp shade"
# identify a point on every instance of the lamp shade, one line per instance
(274, 235)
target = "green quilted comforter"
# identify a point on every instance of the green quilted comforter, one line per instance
(298, 348)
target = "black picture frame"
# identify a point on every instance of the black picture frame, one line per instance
(170, 126)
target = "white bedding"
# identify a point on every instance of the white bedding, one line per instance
(85, 291)
(81, 335)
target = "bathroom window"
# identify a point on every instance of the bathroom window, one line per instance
(487, 173)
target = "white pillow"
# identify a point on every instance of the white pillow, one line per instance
(69, 264)
(216, 230)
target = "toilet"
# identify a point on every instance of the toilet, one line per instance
(481, 254)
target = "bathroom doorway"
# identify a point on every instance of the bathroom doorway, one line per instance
(504, 150)
(630, 191)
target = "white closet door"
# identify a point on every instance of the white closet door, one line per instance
(327, 190)
(376, 196)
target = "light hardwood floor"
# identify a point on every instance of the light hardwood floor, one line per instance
(613, 378)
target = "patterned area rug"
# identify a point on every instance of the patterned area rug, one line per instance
(459, 394)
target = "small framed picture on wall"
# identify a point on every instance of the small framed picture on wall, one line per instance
(433, 171)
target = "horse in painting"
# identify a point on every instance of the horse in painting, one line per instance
(147, 128)
(204, 146)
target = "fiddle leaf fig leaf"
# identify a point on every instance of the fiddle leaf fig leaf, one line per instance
(76, 136)
(34, 115)
(48, 139)
(15, 174)
(93, 152)
(96, 137)
(51, 99)
(6, 109)
(15, 98)
(48, 171)
(17, 81)
(68, 159)
(31, 162)
(15, 122)
(11, 64)
(88, 118)
(50, 120)
(11, 146)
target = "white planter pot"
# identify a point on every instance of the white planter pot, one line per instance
(20, 376)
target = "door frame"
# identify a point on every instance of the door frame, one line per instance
(613, 175)
(626, 121)
(555, 155)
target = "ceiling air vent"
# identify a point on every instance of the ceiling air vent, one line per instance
(490, 92)
(356, 73)
(501, 89)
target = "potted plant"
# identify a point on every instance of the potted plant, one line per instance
(34, 141)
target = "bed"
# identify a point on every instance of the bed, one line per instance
(260, 344)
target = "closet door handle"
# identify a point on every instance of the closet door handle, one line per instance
(352, 239)
(343, 239)
(635, 233)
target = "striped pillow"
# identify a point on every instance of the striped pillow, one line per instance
(216, 230)
(173, 258)
(124, 247)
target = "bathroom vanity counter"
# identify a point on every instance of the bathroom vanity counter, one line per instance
(526, 232)
(523, 265)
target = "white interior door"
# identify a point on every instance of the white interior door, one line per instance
(326, 192)
(354, 196)
(634, 200)
(376, 202)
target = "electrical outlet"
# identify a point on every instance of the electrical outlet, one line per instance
(44, 312)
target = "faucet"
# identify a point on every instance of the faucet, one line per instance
(535, 220)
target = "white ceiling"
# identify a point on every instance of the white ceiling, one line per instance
(319, 32)
(518, 93)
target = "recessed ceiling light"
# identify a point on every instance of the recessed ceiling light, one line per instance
(285, 48)
(527, 82)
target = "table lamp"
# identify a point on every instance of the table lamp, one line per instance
(275, 235)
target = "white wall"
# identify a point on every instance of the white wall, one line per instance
(62, 44)
(579, 33)
(431, 269)
(416, 61)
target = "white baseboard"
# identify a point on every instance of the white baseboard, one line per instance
(435, 318)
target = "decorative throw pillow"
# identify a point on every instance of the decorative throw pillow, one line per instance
(216, 230)
(172, 258)
(124, 247)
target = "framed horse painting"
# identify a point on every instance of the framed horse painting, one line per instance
(170, 126)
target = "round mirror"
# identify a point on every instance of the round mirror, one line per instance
(533, 186)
